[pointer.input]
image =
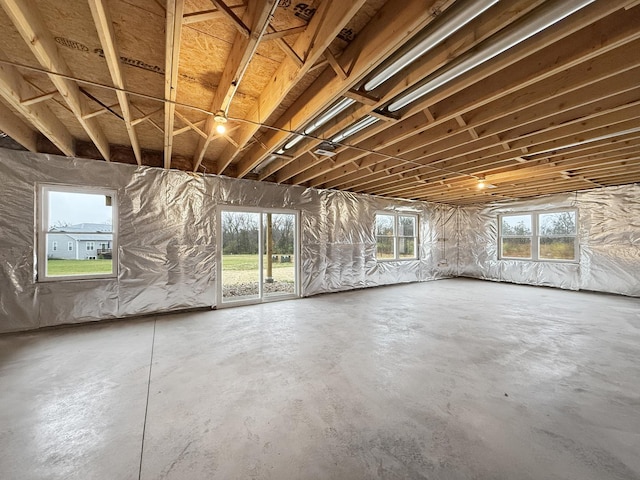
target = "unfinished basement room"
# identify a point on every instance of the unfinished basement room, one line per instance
(330, 240)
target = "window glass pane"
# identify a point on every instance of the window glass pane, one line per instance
(557, 223)
(83, 219)
(406, 247)
(557, 248)
(516, 247)
(240, 259)
(384, 225)
(516, 225)
(384, 247)
(407, 226)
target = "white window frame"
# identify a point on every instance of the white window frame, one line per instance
(397, 237)
(535, 236)
(54, 246)
(90, 244)
(220, 303)
(42, 221)
(70, 246)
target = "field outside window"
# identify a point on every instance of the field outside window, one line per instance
(545, 236)
(83, 218)
(396, 236)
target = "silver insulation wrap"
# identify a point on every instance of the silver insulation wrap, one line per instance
(608, 237)
(167, 240)
(168, 254)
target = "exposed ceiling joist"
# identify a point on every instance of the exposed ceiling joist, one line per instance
(104, 26)
(557, 109)
(17, 129)
(13, 89)
(258, 15)
(325, 25)
(455, 100)
(28, 21)
(172, 59)
(379, 38)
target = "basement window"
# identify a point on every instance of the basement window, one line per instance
(539, 236)
(83, 218)
(396, 236)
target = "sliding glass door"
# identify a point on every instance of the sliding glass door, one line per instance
(258, 255)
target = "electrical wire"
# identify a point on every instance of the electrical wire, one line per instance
(240, 120)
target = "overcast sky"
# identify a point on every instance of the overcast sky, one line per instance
(73, 208)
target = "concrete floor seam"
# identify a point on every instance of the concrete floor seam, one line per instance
(146, 407)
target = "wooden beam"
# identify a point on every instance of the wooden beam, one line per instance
(333, 61)
(258, 15)
(102, 111)
(322, 29)
(483, 27)
(188, 128)
(362, 97)
(289, 51)
(146, 117)
(230, 14)
(283, 33)
(377, 40)
(104, 26)
(39, 98)
(13, 87)
(207, 15)
(13, 126)
(587, 46)
(190, 125)
(26, 18)
(172, 60)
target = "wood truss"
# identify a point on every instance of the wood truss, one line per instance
(556, 111)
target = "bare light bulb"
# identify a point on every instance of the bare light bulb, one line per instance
(481, 184)
(220, 118)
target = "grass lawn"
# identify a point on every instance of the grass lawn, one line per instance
(78, 267)
(244, 269)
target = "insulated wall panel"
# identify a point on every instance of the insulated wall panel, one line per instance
(167, 240)
(608, 235)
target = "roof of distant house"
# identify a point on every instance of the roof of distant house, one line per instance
(84, 228)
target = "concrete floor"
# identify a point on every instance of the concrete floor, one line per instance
(454, 379)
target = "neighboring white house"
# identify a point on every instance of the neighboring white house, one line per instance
(83, 241)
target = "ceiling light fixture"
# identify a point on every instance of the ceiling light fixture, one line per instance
(270, 159)
(492, 47)
(356, 127)
(296, 140)
(329, 114)
(320, 120)
(481, 183)
(220, 119)
(451, 22)
(589, 140)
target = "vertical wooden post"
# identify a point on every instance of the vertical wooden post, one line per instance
(269, 249)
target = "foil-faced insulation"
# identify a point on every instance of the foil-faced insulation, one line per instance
(168, 236)
(608, 237)
(167, 240)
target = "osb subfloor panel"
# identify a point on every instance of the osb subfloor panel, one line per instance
(454, 379)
